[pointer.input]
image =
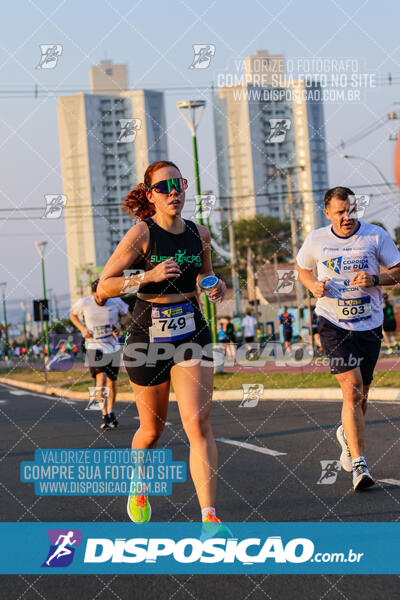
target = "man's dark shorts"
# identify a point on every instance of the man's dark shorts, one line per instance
(99, 362)
(287, 335)
(347, 350)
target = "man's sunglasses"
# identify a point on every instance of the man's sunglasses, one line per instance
(166, 185)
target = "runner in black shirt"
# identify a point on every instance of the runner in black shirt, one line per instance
(174, 255)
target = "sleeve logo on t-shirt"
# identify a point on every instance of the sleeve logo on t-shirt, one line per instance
(334, 264)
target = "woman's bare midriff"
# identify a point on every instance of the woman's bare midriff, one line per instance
(164, 299)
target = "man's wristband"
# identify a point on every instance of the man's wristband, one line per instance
(375, 279)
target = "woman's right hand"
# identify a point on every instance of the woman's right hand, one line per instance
(168, 269)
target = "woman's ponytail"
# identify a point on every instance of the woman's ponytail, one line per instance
(137, 205)
(136, 202)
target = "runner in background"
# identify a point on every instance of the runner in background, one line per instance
(249, 324)
(389, 323)
(221, 336)
(286, 319)
(314, 333)
(347, 256)
(231, 338)
(100, 328)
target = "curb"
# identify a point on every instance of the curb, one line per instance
(378, 394)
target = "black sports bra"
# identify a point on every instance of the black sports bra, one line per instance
(185, 248)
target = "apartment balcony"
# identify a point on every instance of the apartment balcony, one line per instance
(108, 131)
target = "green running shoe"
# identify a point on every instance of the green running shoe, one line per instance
(213, 528)
(139, 509)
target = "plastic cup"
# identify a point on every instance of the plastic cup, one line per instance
(208, 284)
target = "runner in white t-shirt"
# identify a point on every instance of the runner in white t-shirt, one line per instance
(249, 327)
(249, 324)
(347, 256)
(103, 352)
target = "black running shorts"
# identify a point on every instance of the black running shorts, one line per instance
(99, 362)
(346, 350)
(143, 359)
(287, 335)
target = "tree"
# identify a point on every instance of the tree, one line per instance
(397, 236)
(379, 224)
(63, 326)
(265, 235)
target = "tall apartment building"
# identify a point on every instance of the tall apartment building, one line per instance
(260, 125)
(107, 139)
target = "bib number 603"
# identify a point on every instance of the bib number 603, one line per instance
(353, 310)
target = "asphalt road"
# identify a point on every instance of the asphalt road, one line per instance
(253, 486)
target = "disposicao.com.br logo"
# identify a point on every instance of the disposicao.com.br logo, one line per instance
(189, 550)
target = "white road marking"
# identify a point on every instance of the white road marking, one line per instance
(247, 446)
(390, 481)
(31, 393)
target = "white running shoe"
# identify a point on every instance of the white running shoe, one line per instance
(361, 476)
(345, 457)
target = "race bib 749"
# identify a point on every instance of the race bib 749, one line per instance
(171, 323)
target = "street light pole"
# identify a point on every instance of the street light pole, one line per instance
(6, 344)
(290, 206)
(234, 265)
(50, 294)
(41, 247)
(191, 105)
(23, 306)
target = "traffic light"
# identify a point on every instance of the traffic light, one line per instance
(41, 310)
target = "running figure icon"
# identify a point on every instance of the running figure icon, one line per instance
(62, 549)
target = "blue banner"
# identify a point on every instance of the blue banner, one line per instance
(196, 548)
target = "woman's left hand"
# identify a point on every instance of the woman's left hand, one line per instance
(218, 293)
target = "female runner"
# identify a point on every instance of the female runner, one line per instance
(173, 254)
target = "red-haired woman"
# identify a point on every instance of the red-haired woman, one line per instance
(173, 254)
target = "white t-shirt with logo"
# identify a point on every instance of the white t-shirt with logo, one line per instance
(349, 307)
(100, 320)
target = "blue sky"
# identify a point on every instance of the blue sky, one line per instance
(155, 40)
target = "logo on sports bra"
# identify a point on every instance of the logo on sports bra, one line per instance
(179, 257)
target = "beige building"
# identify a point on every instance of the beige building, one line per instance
(107, 139)
(264, 68)
(260, 125)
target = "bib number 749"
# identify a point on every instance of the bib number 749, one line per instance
(172, 327)
(178, 323)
